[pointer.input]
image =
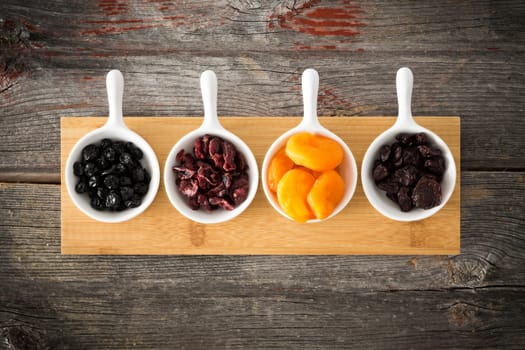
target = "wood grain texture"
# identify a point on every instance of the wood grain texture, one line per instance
(467, 60)
(473, 300)
(260, 230)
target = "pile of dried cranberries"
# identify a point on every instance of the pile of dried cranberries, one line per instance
(213, 176)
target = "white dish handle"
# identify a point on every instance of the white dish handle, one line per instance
(209, 99)
(310, 88)
(115, 89)
(404, 84)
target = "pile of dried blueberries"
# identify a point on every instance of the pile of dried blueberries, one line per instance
(213, 176)
(410, 172)
(111, 174)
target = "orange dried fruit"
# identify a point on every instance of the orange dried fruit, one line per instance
(313, 151)
(279, 165)
(326, 193)
(292, 191)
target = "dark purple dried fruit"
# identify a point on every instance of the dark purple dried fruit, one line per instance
(409, 171)
(407, 176)
(405, 139)
(421, 138)
(214, 176)
(428, 152)
(404, 200)
(380, 172)
(426, 194)
(435, 165)
(384, 153)
(388, 185)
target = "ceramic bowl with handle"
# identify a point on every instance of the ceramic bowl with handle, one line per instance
(310, 123)
(116, 130)
(405, 123)
(211, 126)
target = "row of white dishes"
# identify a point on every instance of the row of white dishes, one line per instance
(116, 129)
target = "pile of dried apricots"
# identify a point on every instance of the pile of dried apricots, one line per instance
(304, 177)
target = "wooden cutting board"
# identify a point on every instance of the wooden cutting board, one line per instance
(358, 229)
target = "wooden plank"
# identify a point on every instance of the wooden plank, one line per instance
(467, 60)
(162, 230)
(472, 300)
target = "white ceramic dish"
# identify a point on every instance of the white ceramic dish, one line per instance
(405, 123)
(114, 129)
(310, 123)
(212, 126)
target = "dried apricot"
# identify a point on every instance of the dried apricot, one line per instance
(279, 165)
(292, 191)
(313, 151)
(326, 193)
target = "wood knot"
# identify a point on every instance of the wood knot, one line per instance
(467, 271)
(197, 234)
(22, 338)
(17, 39)
(461, 315)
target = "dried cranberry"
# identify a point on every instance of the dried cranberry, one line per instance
(213, 176)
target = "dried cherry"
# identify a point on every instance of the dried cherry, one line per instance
(410, 171)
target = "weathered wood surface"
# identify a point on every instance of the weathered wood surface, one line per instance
(473, 300)
(468, 59)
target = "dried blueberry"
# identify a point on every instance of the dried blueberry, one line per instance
(125, 181)
(105, 143)
(113, 200)
(90, 153)
(140, 188)
(90, 169)
(110, 154)
(101, 193)
(81, 187)
(126, 193)
(134, 150)
(110, 173)
(97, 203)
(137, 174)
(93, 181)
(133, 203)
(111, 182)
(78, 169)
(126, 159)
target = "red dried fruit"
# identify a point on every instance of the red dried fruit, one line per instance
(214, 176)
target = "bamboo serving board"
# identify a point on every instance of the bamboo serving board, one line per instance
(358, 229)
